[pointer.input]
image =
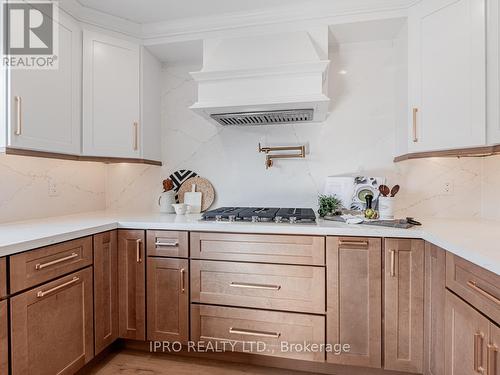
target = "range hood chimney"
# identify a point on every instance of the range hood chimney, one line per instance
(264, 79)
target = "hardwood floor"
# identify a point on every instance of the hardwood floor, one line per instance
(128, 362)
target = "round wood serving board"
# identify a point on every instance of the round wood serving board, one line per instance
(203, 186)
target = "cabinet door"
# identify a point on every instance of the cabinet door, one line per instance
(354, 299)
(105, 289)
(168, 299)
(493, 359)
(52, 326)
(447, 74)
(132, 284)
(466, 334)
(493, 71)
(110, 96)
(45, 105)
(404, 305)
(4, 339)
(435, 284)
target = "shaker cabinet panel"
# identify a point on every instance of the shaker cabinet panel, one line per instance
(52, 326)
(447, 75)
(111, 96)
(132, 284)
(4, 339)
(354, 299)
(105, 289)
(404, 305)
(168, 299)
(45, 105)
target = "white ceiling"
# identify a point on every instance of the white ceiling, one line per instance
(148, 11)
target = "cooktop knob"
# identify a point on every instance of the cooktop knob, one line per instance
(278, 219)
(293, 219)
(255, 219)
(232, 218)
(218, 217)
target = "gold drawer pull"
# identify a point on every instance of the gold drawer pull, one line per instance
(19, 111)
(44, 293)
(138, 250)
(41, 266)
(492, 359)
(249, 332)
(173, 243)
(415, 135)
(255, 286)
(353, 243)
(478, 352)
(484, 293)
(393, 263)
(183, 280)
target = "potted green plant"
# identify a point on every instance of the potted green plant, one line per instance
(329, 205)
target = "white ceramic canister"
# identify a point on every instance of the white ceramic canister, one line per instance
(165, 202)
(386, 208)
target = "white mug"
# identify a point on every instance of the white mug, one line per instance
(165, 202)
(386, 208)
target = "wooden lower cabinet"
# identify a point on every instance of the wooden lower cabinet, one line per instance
(105, 289)
(404, 305)
(132, 284)
(435, 292)
(4, 338)
(493, 355)
(466, 338)
(354, 299)
(52, 326)
(168, 299)
(272, 333)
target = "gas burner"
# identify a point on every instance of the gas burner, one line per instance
(261, 214)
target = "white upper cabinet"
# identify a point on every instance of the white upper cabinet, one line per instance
(493, 71)
(111, 96)
(45, 105)
(447, 75)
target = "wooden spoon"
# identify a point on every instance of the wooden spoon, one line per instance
(384, 190)
(394, 190)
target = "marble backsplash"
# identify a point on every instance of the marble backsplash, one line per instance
(357, 138)
(24, 187)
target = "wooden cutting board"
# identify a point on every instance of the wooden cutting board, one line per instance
(203, 186)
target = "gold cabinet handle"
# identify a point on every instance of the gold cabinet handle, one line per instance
(353, 243)
(255, 286)
(19, 114)
(415, 136)
(478, 352)
(138, 250)
(393, 263)
(136, 136)
(492, 359)
(42, 293)
(41, 266)
(473, 285)
(249, 332)
(183, 280)
(173, 243)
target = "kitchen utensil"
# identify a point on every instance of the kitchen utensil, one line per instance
(202, 185)
(193, 199)
(394, 190)
(384, 190)
(165, 202)
(168, 184)
(386, 207)
(180, 208)
(179, 177)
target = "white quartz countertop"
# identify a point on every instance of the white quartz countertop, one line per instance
(475, 240)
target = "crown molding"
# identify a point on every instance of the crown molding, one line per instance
(284, 18)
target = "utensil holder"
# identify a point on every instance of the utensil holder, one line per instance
(386, 208)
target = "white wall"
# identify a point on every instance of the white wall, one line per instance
(491, 187)
(24, 187)
(358, 137)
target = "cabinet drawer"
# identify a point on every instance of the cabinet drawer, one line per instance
(242, 327)
(37, 266)
(267, 286)
(163, 243)
(479, 287)
(309, 250)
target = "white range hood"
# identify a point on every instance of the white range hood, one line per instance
(265, 79)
